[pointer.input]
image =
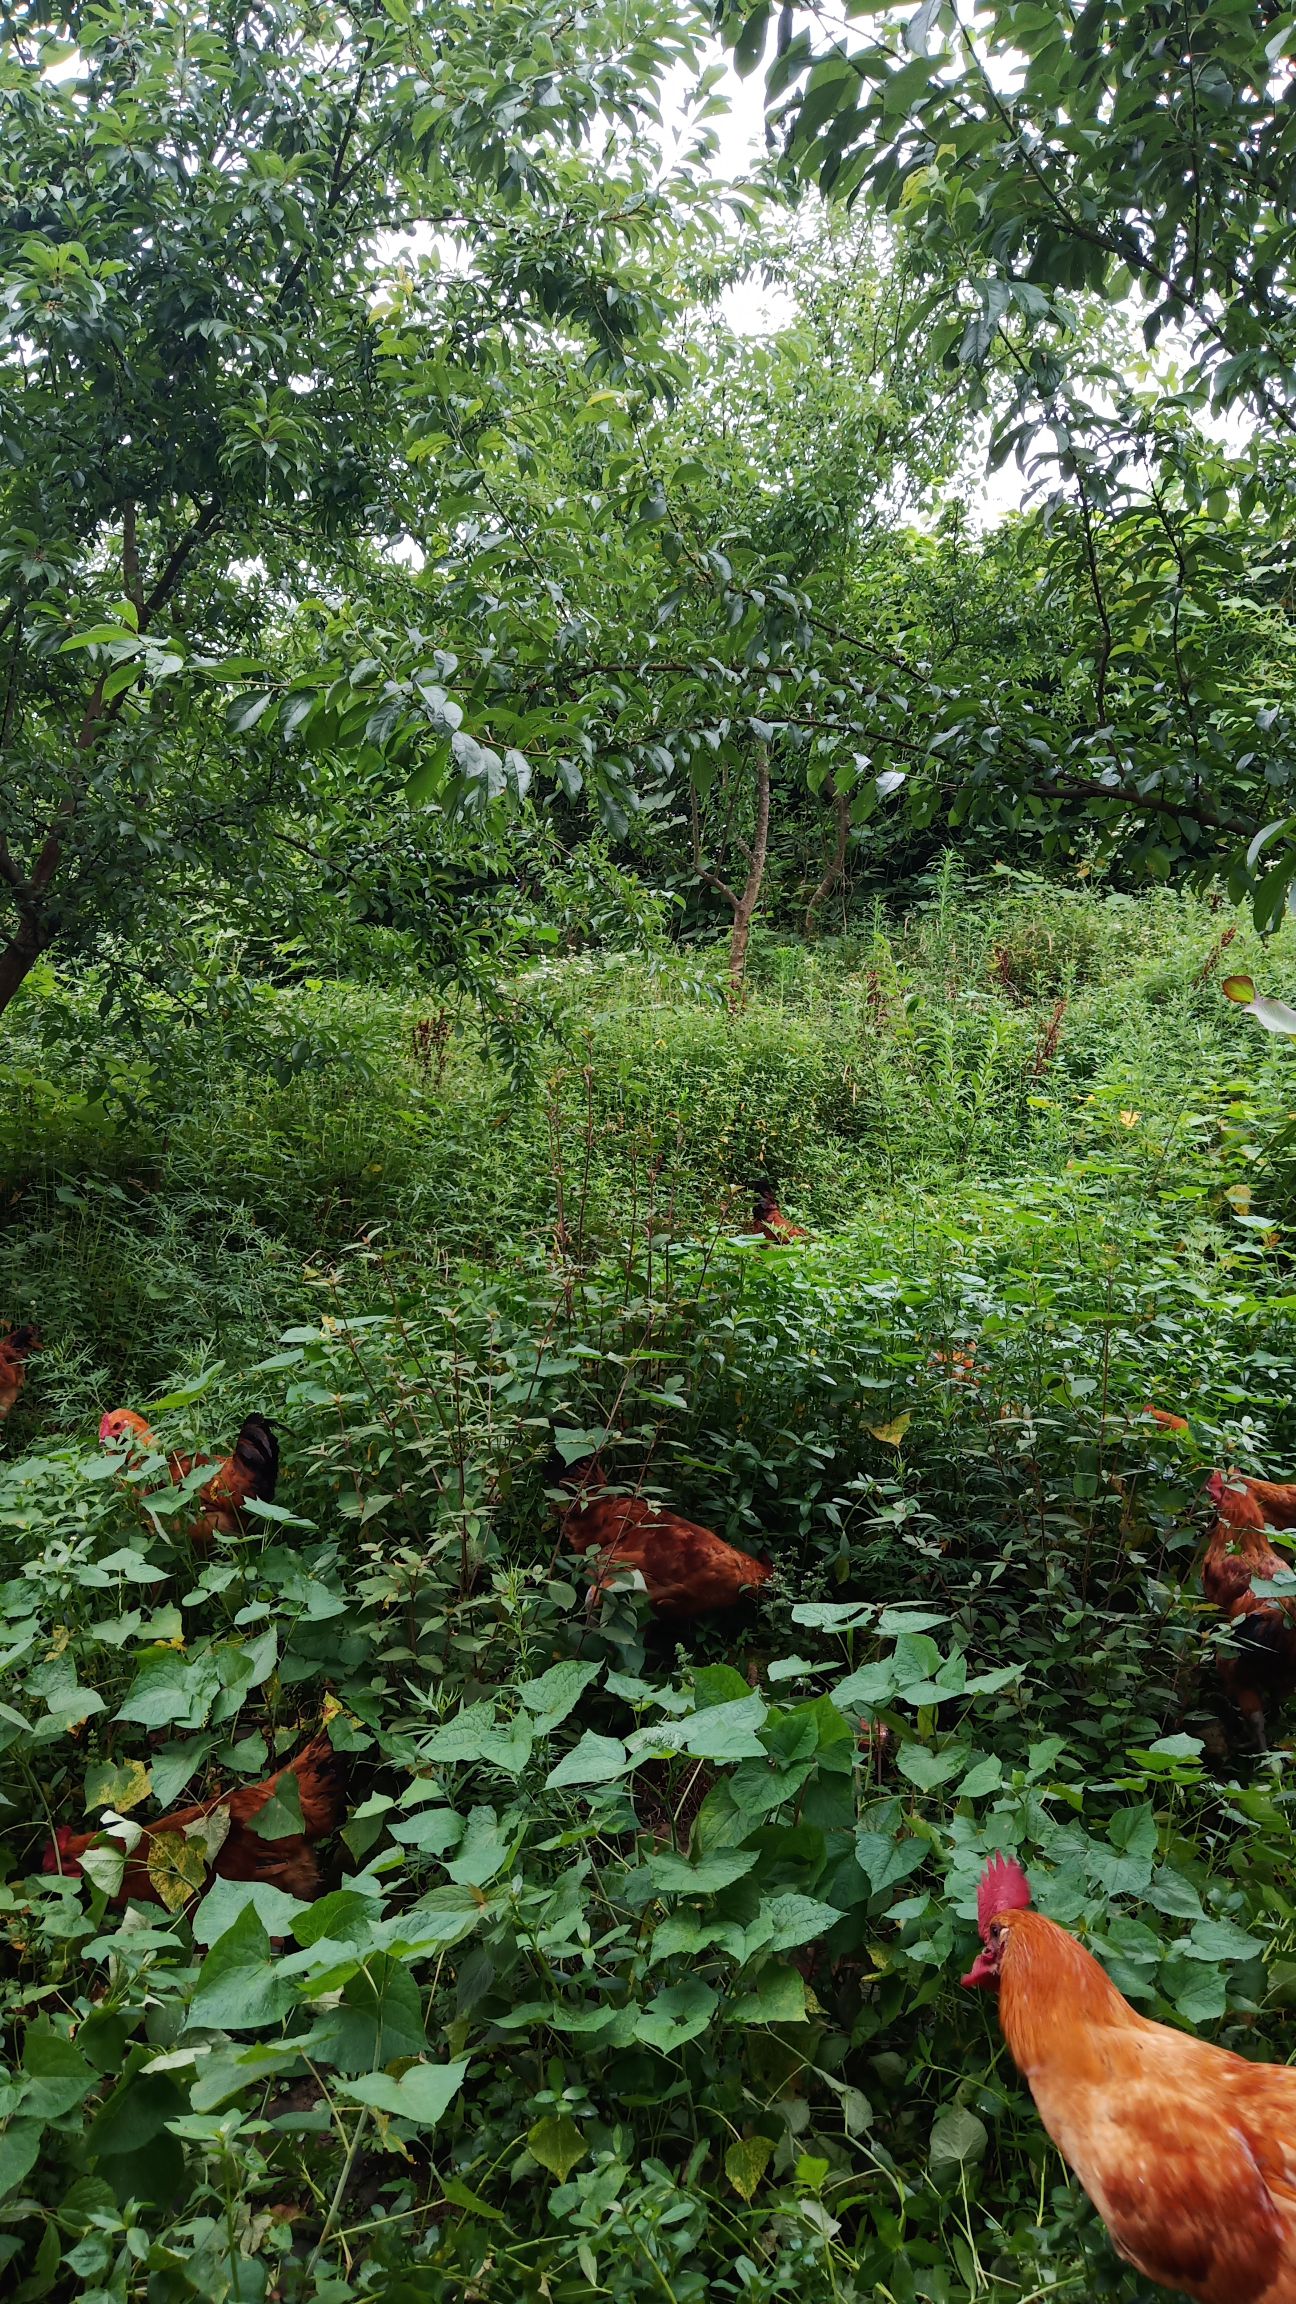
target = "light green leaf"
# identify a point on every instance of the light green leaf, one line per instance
(422, 2094)
(557, 2143)
(595, 1760)
(746, 2162)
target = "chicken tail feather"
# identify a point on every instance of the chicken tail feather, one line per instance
(256, 1451)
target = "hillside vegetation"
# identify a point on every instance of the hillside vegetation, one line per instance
(638, 1970)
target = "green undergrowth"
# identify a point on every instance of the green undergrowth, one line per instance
(637, 1970)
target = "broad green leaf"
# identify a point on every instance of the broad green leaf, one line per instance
(779, 1997)
(595, 1760)
(238, 1988)
(676, 2015)
(557, 1692)
(557, 2143)
(674, 1876)
(746, 2162)
(957, 2137)
(423, 2093)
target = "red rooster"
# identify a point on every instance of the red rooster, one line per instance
(769, 1220)
(252, 1471)
(1261, 1667)
(289, 1863)
(15, 1349)
(687, 1570)
(1187, 2151)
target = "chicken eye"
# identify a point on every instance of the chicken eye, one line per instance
(996, 1931)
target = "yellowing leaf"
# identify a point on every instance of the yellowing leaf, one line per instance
(176, 1868)
(108, 1786)
(1130, 1119)
(746, 2162)
(210, 1833)
(893, 1433)
(1239, 988)
(557, 2144)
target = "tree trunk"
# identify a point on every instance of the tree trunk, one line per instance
(17, 960)
(745, 906)
(836, 865)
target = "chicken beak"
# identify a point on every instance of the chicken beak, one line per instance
(983, 1972)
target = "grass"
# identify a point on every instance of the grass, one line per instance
(1027, 1124)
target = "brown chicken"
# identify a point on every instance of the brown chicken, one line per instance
(15, 1349)
(687, 1570)
(769, 1220)
(1167, 1421)
(1187, 2151)
(289, 1863)
(1260, 1669)
(252, 1471)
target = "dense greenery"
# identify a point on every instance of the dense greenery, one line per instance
(543, 2038)
(498, 755)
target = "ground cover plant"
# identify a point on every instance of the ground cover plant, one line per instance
(637, 1963)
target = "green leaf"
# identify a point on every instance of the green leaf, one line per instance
(674, 1876)
(557, 2144)
(595, 1760)
(928, 1769)
(59, 2076)
(226, 1899)
(676, 2015)
(958, 2138)
(796, 1920)
(422, 2094)
(727, 1731)
(557, 1692)
(281, 1818)
(778, 1998)
(461, 2195)
(19, 2148)
(746, 2162)
(239, 1988)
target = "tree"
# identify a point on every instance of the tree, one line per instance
(1035, 159)
(198, 209)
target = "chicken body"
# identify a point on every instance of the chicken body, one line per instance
(1262, 1668)
(250, 1471)
(687, 1570)
(1187, 2151)
(769, 1220)
(290, 1863)
(15, 1350)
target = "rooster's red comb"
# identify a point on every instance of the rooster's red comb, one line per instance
(1004, 1887)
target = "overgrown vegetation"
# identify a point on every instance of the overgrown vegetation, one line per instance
(430, 616)
(639, 1969)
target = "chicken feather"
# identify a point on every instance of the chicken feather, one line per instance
(1187, 2151)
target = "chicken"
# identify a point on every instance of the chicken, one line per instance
(687, 1570)
(15, 1349)
(1187, 2151)
(1276, 1499)
(289, 1863)
(1167, 1421)
(252, 1471)
(768, 1218)
(1261, 1667)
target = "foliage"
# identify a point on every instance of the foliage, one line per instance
(639, 1963)
(205, 428)
(1036, 160)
